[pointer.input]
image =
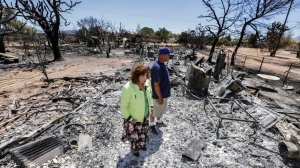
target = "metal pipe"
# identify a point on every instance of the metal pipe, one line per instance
(73, 143)
(262, 61)
(287, 74)
(227, 98)
(213, 107)
(244, 61)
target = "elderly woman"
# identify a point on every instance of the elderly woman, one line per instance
(135, 104)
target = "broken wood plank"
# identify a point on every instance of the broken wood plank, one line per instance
(13, 119)
(16, 65)
(295, 116)
(5, 55)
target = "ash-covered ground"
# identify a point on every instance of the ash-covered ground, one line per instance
(235, 144)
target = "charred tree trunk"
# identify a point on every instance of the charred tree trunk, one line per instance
(108, 50)
(239, 43)
(273, 53)
(55, 48)
(53, 36)
(212, 50)
(2, 45)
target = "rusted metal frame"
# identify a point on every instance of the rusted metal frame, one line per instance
(245, 110)
(255, 123)
(225, 118)
(234, 119)
(217, 112)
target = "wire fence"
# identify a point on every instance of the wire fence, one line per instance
(286, 68)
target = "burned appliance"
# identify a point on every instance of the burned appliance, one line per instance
(36, 153)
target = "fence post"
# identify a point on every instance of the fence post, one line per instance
(262, 61)
(227, 64)
(287, 74)
(244, 61)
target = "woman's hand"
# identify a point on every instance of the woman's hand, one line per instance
(133, 121)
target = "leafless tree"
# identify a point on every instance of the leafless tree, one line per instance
(95, 31)
(224, 14)
(48, 15)
(38, 60)
(120, 33)
(7, 17)
(101, 33)
(253, 10)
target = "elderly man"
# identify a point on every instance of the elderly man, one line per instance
(161, 87)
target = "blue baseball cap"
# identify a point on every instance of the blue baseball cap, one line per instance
(164, 50)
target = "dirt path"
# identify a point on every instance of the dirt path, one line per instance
(18, 84)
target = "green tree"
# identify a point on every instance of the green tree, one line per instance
(252, 12)
(273, 35)
(252, 40)
(224, 41)
(163, 34)
(286, 40)
(146, 32)
(184, 38)
(197, 37)
(228, 37)
(91, 27)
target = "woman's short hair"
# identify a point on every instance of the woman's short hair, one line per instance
(137, 71)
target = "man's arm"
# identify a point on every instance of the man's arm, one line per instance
(158, 93)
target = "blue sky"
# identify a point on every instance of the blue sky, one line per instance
(175, 15)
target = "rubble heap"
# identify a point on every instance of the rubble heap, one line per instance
(239, 130)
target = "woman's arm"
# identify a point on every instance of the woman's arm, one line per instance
(125, 98)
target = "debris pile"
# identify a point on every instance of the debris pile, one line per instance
(211, 123)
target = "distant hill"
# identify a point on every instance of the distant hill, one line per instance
(297, 38)
(67, 32)
(39, 31)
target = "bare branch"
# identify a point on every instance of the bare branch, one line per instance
(48, 15)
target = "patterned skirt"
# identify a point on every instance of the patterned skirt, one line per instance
(136, 134)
